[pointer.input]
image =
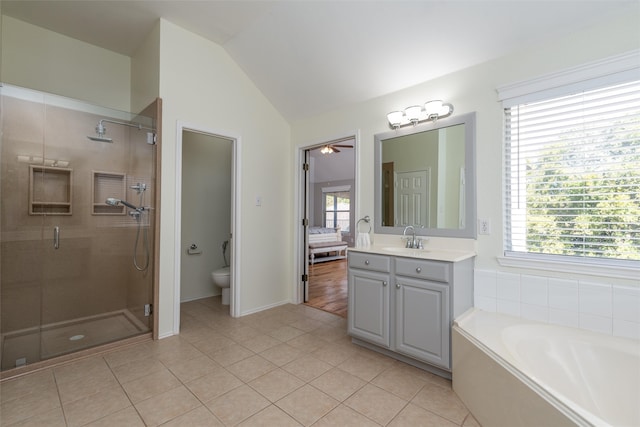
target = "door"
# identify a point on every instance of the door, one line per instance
(368, 312)
(422, 326)
(412, 199)
(305, 225)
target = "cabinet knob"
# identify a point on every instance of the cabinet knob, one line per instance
(366, 262)
(397, 285)
(384, 283)
(418, 270)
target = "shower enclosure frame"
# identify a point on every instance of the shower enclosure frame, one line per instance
(150, 286)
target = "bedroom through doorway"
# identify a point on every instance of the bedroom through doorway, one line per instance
(330, 209)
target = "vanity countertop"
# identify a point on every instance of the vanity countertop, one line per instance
(430, 253)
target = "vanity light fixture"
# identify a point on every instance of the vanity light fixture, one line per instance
(432, 110)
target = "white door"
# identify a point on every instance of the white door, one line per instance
(412, 198)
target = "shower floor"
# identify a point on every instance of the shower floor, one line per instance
(61, 338)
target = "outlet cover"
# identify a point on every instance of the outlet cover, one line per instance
(484, 226)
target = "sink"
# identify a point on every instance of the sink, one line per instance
(405, 251)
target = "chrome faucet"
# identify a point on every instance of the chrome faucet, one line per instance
(411, 243)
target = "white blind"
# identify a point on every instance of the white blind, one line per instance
(572, 174)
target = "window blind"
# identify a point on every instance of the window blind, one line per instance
(572, 175)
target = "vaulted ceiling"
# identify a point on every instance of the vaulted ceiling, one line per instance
(308, 57)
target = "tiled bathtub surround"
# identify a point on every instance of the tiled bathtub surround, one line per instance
(596, 306)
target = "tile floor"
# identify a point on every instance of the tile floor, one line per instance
(288, 366)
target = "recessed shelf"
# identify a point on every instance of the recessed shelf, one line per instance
(50, 190)
(105, 185)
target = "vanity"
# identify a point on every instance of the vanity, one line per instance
(403, 295)
(402, 302)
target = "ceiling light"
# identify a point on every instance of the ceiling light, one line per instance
(326, 150)
(432, 110)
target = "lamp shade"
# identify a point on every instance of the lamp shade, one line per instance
(433, 108)
(413, 113)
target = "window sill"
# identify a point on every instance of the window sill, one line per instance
(574, 267)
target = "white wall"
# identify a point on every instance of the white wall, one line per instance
(36, 58)
(145, 71)
(201, 85)
(469, 90)
(206, 211)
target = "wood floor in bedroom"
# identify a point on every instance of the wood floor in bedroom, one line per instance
(328, 286)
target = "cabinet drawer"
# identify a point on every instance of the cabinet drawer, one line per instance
(423, 269)
(369, 262)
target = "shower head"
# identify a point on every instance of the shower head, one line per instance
(100, 130)
(115, 202)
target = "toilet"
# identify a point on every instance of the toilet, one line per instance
(221, 278)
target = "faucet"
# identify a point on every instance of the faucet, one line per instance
(410, 243)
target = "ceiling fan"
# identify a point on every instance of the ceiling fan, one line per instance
(331, 148)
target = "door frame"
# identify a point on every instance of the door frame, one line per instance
(299, 201)
(234, 306)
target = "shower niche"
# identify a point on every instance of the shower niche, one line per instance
(106, 185)
(50, 190)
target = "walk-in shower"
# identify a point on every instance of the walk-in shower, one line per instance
(73, 216)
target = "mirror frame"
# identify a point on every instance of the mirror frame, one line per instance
(469, 122)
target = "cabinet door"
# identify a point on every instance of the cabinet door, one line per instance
(368, 312)
(422, 320)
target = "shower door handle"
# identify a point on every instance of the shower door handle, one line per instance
(56, 237)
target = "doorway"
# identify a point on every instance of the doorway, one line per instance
(206, 225)
(328, 205)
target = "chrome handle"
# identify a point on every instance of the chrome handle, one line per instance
(418, 270)
(366, 262)
(384, 283)
(397, 285)
(56, 237)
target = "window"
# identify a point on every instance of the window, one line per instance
(337, 208)
(572, 175)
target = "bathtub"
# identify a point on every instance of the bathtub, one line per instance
(514, 372)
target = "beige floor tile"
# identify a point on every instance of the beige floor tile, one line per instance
(344, 416)
(399, 382)
(375, 403)
(28, 384)
(307, 324)
(189, 370)
(276, 384)
(338, 384)
(51, 418)
(96, 406)
(270, 416)
(214, 343)
(137, 369)
(441, 401)
(176, 350)
(214, 384)
(39, 402)
(129, 354)
(307, 404)
(470, 421)
(151, 385)
(240, 332)
(126, 417)
(260, 343)
(81, 369)
(307, 368)
(285, 333)
(232, 354)
(306, 343)
(330, 333)
(86, 385)
(334, 354)
(281, 354)
(414, 416)
(251, 368)
(167, 406)
(200, 416)
(237, 405)
(363, 367)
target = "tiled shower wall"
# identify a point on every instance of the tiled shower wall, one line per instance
(596, 306)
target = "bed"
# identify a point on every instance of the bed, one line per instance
(328, 242)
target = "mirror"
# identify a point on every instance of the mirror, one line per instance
(425, 177)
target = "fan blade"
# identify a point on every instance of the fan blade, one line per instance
(335, 150)
(343, 146)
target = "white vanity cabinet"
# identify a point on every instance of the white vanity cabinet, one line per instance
(405, 306)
